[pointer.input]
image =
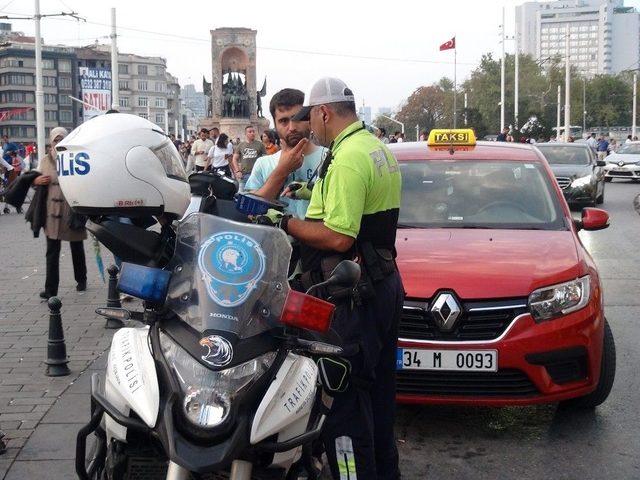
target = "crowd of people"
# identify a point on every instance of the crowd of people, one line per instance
(213, 150)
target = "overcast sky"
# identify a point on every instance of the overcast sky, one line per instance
(404, 37)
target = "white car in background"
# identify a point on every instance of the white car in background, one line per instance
(625, 163)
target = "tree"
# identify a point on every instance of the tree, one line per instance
(608, 100)
(425, 108)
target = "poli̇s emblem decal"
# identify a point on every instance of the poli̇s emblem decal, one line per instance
(231, 264)
(219, 350)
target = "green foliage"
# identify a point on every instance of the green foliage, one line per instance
(607, 98)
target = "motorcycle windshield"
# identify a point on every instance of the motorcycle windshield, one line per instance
(229, 276)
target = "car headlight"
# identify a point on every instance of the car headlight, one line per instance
(208, 394)
(581, 182)
(556, 300)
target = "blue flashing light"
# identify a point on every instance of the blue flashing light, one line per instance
(145, 283)
(251, 204)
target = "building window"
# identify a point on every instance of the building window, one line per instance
(64, 66)
(64, 100)
(160, 103)
(50, 115)
(124, 101)
(66, 116)
(48, 63)
(160, 118)
(123, 84)
(142, 69)
(11, 62)
(64, 82)
(142, 85)
(123, 68)
(28, 115)
(50, 99)
(160, 87)
(143, 101)
(143, 115)
(48, 81)
(16, 79)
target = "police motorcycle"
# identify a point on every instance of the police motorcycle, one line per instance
(220, 380)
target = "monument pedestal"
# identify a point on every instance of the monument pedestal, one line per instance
(234, 127)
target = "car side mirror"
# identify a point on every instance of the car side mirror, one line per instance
(593, 219)
(601, 163)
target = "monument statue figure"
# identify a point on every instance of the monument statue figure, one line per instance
(261, 93)
(235, 98)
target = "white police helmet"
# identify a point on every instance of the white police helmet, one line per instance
(123, 165)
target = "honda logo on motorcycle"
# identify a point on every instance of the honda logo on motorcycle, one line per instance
(219, 350)
(231, 264)
(445, 311)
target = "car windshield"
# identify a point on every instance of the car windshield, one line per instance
(629, 148)
(478, 194)
(565, 154)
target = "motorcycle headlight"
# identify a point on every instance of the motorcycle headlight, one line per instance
(208, 394)
(550, 302)
(581, 182)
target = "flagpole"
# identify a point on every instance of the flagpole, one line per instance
(455, 80)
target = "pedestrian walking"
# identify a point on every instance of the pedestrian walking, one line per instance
(602, 148)
(61, 223)
(269, 141)
(220, 155)
(200, 148)
(592, 141)
(245, 155)
(502, 136)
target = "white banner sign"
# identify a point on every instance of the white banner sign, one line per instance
(95, 85)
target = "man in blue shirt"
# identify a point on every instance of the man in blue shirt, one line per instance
(602, 148)
(272, 173)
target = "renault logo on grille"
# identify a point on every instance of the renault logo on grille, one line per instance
(445, 311)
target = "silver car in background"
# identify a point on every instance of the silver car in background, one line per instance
(625, 163)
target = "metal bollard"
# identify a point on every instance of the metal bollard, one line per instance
(113, 298)
(56, 349)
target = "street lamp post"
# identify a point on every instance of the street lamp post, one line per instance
(567, 88)
(558, 114)
(584, 106)
(396, 121)
(633, 120)
(115, 86)
(502, 76)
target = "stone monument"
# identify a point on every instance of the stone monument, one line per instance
(234, 101)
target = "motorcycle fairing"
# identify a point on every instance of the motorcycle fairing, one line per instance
(288, 399)
(131, 380)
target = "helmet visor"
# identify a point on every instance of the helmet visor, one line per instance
(170, 160)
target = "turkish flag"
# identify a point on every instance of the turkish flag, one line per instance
(448, 45)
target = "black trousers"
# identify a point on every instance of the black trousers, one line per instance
(358, 433)
(53, 264)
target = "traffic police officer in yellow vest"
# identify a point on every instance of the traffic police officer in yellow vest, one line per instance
(353, 214)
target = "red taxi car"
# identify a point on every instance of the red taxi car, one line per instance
(504, 304)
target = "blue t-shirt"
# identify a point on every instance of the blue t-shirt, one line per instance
(267, 164)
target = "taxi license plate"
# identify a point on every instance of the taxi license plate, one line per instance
(451, 360)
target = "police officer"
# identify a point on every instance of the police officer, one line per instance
(353, 214)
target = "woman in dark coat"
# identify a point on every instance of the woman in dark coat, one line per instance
(58, 224)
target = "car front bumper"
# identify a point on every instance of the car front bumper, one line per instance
(626, 171)
(580, 195)
(537, 363)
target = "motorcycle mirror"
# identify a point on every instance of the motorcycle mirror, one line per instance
(346, 274)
